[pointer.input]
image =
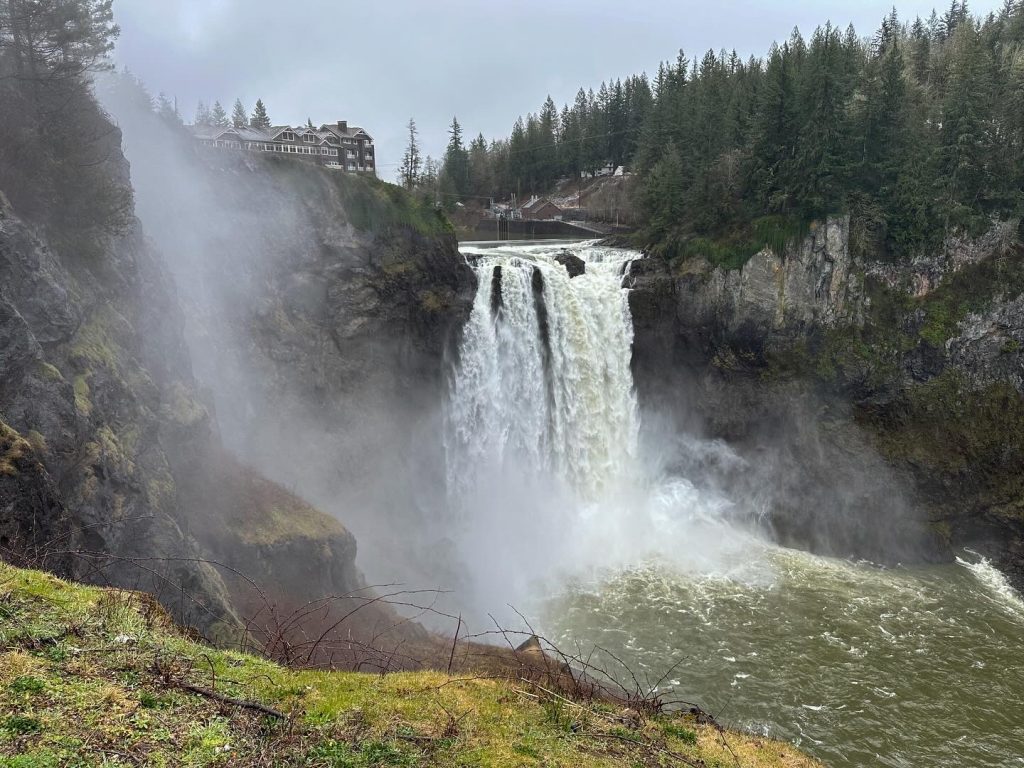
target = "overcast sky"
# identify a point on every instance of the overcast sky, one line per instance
(376, 63)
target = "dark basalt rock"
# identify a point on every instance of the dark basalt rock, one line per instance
(109, 454)
(573, 264)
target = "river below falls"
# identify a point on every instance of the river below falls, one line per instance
(607, 543)
(858, 665)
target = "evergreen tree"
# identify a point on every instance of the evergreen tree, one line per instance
(167, 109)
(481, 176)
(915, 131)
(517, 149)
(57, 40)
(965, 139)
(663, 194)
(821, 161)
(409, 170)
(239, 119)
(202, 115)
(218, 116)
(259, 118)
(455, 177)
(546, 155)
(429, 181)
(55, 151)
(883, 131)
(775, 143)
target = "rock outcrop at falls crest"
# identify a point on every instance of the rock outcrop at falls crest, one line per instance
(888, 395)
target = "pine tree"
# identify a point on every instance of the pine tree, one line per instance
(202, 115)
(409, 170)
(918, 130)
(663, 194)
(167, 109)
(56, 40)
(821, 161)
(456, 162)
(259, 117)
(239, 119)
(429, 181)
(965, 140)
(778, 135)
(481, 177)
(218, 116)
(547, 151)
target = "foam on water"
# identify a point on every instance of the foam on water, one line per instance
(556, 501)
(862, 664)
(995, 583)
(543, 435)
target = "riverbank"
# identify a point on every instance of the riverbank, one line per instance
(92, 676)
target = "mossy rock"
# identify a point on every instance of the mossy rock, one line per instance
(13, 449)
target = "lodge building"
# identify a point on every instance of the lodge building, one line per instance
(334, 145)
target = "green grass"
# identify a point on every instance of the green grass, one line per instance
(91, 677)
(369, 204)
(733, 248)
(13, 448)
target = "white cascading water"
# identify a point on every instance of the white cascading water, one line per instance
(542, 439)
(556, 400)
(627, 542)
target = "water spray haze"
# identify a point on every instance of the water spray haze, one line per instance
(547, 474)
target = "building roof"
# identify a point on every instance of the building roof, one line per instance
(350, 131)
(535, 203)
(248, 133)
(217, 131)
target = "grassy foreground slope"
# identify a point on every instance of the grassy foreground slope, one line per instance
(92, 676)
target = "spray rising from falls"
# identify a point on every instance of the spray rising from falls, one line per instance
(646, 545)
(545, 471)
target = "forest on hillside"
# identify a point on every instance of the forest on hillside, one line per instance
(916, 130)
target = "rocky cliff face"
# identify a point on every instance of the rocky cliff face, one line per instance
(111, 467)
(321, 310)
(887, 396)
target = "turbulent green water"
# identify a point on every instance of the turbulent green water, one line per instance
(553, 477)
(860, 666)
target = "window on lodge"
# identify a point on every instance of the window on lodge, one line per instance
(309, 138)
(288, 136)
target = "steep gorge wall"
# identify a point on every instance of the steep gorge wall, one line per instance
(321, 312)
(880, 402)
(111, 465)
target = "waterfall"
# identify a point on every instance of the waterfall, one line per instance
(546, 481)
(544, 387)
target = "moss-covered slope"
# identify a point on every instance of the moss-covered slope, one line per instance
(92, 676)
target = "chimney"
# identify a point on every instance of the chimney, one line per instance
(343, 125)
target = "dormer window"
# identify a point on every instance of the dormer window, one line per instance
(309, 138)
(288, 136)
